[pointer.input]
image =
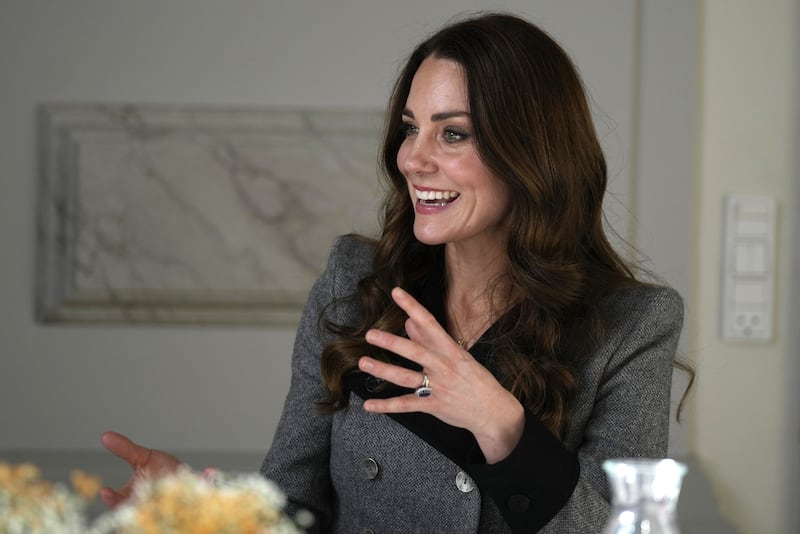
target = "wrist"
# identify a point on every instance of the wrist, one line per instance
(502, 433)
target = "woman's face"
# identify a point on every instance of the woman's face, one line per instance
(456, 198)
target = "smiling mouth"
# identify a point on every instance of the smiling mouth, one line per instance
(436, 198)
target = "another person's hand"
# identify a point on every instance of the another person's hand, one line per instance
(144, 462)
(465, 394)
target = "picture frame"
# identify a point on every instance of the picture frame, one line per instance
(196, 214)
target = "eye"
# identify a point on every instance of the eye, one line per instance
(408, 129)
(454, 135)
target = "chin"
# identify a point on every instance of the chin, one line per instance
(430, 242)
(427, 239)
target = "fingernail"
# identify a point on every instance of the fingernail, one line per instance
(365, 363)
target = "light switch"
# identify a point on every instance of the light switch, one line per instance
(748, 268)
(751, 257)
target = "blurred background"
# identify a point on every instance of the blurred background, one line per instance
(694, 100)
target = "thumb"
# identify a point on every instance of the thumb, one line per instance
(123, 447)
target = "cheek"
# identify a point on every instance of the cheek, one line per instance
(507, 205)
(500, 198)
(505, 196)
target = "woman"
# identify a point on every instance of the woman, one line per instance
(520, 352)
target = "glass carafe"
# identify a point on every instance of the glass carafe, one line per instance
(644, 496)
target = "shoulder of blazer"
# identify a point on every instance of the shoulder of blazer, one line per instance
(656, 304)
(349, 262)
(350, 259)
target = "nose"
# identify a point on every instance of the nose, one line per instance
(416, 156)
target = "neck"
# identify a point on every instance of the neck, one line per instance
(475, 291)
(471, 270)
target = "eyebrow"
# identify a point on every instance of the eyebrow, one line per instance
(439, 116)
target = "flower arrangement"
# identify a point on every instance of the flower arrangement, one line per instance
(186, 502)
(179, 503)
(30, 505)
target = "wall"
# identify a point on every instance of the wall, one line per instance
(791, 453)
(745, 429)
(222, 388)
(664, 153)
(209, 388)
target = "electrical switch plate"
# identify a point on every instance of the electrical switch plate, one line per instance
(748, 268)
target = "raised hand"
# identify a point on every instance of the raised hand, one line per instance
(464, 393)
(144, 462)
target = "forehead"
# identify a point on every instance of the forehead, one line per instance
(438, 83)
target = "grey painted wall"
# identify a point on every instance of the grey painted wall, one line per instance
(222, 388)
(791, 489)
(664, 150)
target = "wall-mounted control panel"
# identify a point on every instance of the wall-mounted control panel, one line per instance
(748, 268)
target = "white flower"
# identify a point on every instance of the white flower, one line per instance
(185, 502)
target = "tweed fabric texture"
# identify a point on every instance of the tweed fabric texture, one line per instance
(622, 410)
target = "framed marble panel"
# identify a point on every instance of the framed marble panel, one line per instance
(191, 214)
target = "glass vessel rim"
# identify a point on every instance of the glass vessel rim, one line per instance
(646, 464)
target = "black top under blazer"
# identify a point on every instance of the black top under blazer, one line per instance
(361, 472)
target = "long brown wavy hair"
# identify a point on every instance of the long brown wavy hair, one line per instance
(533, 129)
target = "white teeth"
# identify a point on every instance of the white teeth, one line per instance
(435, 195)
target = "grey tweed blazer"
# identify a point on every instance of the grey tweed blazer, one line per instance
(359, 472)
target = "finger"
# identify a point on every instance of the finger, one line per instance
(124, 448)
(421, 323)
(412, 307)
(432, 336)
(401, 404)
(392, 373)
(402, 346)
(112, 498)
(109, 497)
